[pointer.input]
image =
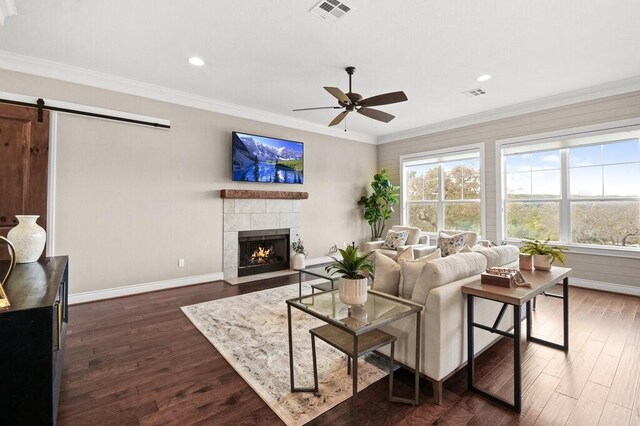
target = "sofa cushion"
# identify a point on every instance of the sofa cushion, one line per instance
(410, 271)
(450, 244)
(446, 270)
(492, 256)
(506, 254)
(387, 271)
(414, 233)
(395, 239)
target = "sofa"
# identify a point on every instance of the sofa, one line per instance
(443, 320)
(415, 240)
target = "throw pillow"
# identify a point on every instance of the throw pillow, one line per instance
(450, 244)
(465, 249)
(406, 254)
(410, 271)
(386, 272)
(395, 239)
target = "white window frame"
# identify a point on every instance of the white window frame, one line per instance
(444, 153)
(547, 137)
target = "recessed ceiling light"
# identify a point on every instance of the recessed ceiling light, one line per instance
(484, 77)
(194, 60)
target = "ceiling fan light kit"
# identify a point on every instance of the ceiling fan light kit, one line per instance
(352, 101)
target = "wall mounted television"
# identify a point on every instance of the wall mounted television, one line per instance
(264, 159)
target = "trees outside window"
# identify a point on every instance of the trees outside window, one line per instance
(443, 191)
(584, 193)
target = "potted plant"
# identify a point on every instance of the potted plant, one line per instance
(544, 254)
(378, 206)
(354, 269)
(300, 253)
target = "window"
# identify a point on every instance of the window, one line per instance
(583, 190)
(443, 190)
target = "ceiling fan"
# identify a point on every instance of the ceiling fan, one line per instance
(351, 101)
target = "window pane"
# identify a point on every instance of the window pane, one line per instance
(533, 220)
(423, 216)
(422, 182)
(622, 180)
(613, 223)
(518, 163)
(586, 182)
(622, 152)
(545, 160)
(462, 179)
(519, 185)
(586, 156)
(463, 216)
(545, 184)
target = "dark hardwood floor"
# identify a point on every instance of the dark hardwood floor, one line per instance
(139, 360)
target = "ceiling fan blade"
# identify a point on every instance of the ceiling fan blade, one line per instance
(338, 94)
(339, 118)
(376, 114)
(387, 98)
(309, 109)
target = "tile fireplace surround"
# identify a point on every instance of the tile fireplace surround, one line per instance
(256, 210)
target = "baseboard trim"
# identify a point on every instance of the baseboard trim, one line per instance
(129, 290)
(610, 287)
(318, 260)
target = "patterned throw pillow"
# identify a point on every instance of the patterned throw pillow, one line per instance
(395, 239)
(450, 244)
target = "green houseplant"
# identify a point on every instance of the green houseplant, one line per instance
(378, 206)
(354, 269)
(300, 254)
(544, 254)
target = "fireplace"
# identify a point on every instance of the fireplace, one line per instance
(262, 251)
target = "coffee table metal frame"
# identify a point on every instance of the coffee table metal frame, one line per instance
(356, 333)
(518, 297)
(320, 273)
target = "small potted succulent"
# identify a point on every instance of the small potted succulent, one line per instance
(544, 254)
(354, 269)
(300, 254)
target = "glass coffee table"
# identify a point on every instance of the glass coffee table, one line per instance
(355, 331)
(319, 272)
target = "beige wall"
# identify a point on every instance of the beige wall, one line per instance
(131, 200)
(616, 270)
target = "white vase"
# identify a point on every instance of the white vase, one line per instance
(28, 238)
(542, 262)
(353, 292)
(298, 261)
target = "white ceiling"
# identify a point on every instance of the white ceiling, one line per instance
(275, 56)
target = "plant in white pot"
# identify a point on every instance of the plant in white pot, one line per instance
(354, 269)
(300, 253)
(544, 254)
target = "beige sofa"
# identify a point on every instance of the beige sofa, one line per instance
(443, 326)
(415, 240)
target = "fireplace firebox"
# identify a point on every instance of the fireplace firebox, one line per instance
(262, 251)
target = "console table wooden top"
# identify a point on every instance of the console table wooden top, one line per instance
(540, 281)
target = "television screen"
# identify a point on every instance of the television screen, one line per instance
(263, 159)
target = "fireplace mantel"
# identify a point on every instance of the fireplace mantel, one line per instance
(263, 195)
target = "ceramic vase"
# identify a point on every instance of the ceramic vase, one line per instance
(542, 262)
(353, 292)
(525, 262)
(298, 261)
(28, 239)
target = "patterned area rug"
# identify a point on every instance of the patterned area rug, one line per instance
(250, 331)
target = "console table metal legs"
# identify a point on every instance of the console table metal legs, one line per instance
(517, 367)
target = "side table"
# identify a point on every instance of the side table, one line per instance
(516, 297)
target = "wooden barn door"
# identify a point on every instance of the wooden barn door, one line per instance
(24, 164)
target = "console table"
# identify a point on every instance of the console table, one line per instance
(516, 297)
(32, 340)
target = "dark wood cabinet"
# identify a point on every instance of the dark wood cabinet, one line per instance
(32, 341)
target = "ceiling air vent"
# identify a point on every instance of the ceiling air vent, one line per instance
(330, 10)
(474, 92)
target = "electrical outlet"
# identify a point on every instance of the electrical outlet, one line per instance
(345, 244)
(180, 263)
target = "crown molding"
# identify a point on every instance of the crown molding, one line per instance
(581, 95)
(7, 8)
(43, 68)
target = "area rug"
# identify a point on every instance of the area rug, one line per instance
(250, 331)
